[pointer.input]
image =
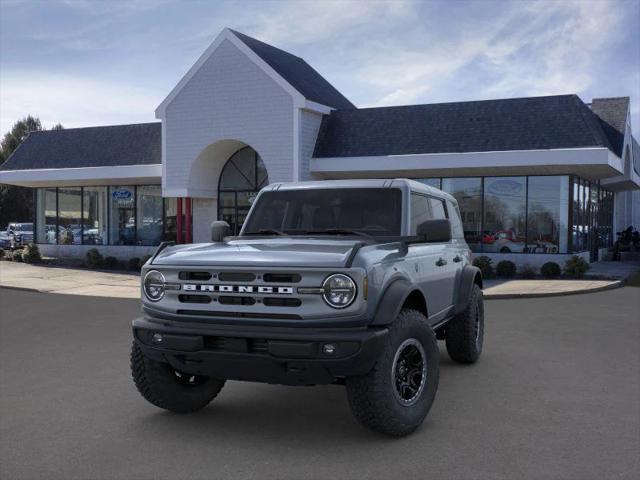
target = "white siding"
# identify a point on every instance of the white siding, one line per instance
(229, 97)
(204, 212)
(309, 126)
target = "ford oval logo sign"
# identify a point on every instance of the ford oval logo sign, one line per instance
(122, 194)
(505, 187)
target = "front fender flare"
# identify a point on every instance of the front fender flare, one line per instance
(391, 301)
(467, 280)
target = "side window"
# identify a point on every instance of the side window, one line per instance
(437, 208)
(420, 211)
(456, 223)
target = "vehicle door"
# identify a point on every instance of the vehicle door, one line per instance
(450, 261)
(457, 249)
(427, 262)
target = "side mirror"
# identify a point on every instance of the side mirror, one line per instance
(219, 230)
(434, 231)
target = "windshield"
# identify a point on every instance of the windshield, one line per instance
(355, 211)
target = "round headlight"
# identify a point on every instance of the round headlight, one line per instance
(154, 285)
(339, 290)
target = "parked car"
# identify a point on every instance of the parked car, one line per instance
(348, 282)
(19, 234)
(504, 241)
(5, 241)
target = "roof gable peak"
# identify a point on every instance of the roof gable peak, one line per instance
(292, 73)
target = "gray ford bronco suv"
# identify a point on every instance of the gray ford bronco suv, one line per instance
(348, 282)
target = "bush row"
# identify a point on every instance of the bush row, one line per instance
(94, 259)
(575, 267)
(29, 254)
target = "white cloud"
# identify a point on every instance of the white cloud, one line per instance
(297, 21)
(533, 48)
(72, 100)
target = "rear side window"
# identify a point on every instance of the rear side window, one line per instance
(456, 223)
(420, 211)
(437, 208)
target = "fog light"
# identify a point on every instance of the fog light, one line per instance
(328, 348)
(157, 338)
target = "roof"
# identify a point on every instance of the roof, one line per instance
(298, 73)
(612, 113)
(116, 145)
(534, 123)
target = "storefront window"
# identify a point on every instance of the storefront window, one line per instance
(504, 215)
(468, 193)
(595, 193)
(242, 177)
(94, 216)
(46, 215)
(149, 215)
(432, 182)
(547, 219)
(69, 216)
(576, 212)
(122, 217)
(170, 220)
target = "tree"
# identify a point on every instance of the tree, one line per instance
(16, 203)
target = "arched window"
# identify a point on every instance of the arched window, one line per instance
(242, 177)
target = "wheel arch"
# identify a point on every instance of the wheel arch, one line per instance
(400, 294)
(470, 276)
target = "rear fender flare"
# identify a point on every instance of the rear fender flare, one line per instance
(470, 276)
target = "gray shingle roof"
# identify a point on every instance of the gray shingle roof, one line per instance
(298, 73)
(534, 123)
(612, 113)
(137, 144)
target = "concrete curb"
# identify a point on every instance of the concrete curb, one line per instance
(509, 296)
(24, 289)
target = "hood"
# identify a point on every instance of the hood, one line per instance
(271, 252)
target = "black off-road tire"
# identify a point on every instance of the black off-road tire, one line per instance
(464, 334)
(159, 384)
(373, 397)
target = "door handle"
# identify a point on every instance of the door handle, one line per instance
(457, 258)
(441, 262)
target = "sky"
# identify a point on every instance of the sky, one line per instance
(103, 62)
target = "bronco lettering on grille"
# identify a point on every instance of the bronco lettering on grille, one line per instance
(193, 287)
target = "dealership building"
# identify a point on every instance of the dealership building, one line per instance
(536, 178)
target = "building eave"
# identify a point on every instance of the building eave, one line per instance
(85, 176)
(592, 163)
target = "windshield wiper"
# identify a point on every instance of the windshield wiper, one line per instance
(267, 231)
(340, 231)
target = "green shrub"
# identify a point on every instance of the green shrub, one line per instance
(550, 270)
(506, 269)
(1, 252)
(17, 256)
(576, 267)
(133, 264)
(527, 271)
(110, 263)
(484, 263)
(31, 254)
(143, 260)
(94, 258)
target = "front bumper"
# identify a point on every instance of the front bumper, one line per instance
(289, 356)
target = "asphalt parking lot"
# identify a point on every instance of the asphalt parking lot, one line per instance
(555, 395)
